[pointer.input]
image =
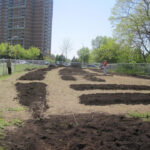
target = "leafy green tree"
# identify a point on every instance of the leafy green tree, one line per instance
(131, 19)
(108, 50)
(74, 59)
(60, 58)
(84, 54)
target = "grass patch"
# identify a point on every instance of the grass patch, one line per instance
(143, 116)
(18, 68)
(4, 77)
(1, 148)
(4, 123)
(17, 109)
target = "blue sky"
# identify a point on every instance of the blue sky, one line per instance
(80, 21)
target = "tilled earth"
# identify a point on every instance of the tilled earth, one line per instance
(82, 87)
(68, 78)
(93, 78)
(33, 95)
(78, 71)
(115, 98)
(95, 131)
(36, 75)
(82, 132)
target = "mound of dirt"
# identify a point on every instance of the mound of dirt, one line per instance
(68, 78)
(72, 71)
(36, 75)
(115, 98)
(33, 95)
(82, 87)
(82, 132)
(93, 78)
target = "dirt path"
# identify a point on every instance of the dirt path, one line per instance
(8, 99)
(64, 100)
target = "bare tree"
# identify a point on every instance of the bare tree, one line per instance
(66, 47)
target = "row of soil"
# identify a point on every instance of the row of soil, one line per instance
(82, 87)
(33, 95)
(93, 78)
(81, 132)
(37, 74)
(68, 78)
(115, 98)
(70, 71)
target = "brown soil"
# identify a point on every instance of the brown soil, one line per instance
(36, 75)
(34, 96)
(81, 132)
(72, 71)
(93, 78)
(82, 87)
(115, 98)
(68, 78)
(81, 72)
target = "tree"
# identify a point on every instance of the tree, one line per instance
(74, 59)
(66, 46)
(131, 21)
(60, 58)
(96, 43)
(108, 50)
(84, 54)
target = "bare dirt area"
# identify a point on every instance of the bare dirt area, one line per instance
(115, 98)
(81, 72)
(67, 77)
(60, 122)
(8, 99)
(108, 87)
(36, 75)
(85, 132)
(33, 95)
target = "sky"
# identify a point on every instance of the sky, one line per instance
(80, 21)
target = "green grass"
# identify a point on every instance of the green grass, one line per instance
(18, 68)
(144, 116)
(17, 109)
(5, 123)
(1, 148)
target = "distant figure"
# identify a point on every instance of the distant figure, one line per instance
(105, 65)
(9, 66)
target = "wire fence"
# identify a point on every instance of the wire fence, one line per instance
(21, 65)
(125, 68)
(139, 69)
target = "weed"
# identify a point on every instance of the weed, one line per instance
(1, 148)
(144, 116)
(16, 122)
(17, 109)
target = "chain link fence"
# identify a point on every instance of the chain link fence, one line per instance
(21, 65)
(124, 68)
(133, 69)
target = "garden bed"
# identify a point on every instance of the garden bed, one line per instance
(82, 87)
(33, 95)
(115, 98)
(81, 132)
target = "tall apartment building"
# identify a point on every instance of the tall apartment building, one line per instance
(27, 22)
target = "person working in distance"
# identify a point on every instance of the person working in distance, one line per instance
(9, 66)
(105, 65)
